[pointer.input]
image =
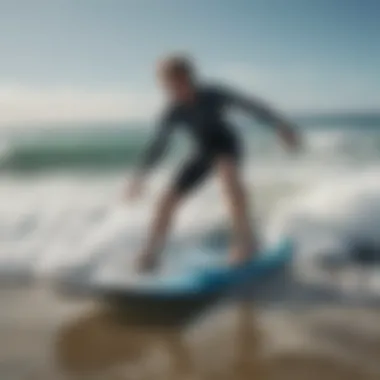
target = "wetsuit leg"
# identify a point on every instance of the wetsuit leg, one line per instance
(227, 147)
(197, 168)
(192, 173)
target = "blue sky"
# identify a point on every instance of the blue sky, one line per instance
(94, 59)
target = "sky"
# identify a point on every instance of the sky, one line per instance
(80, 60)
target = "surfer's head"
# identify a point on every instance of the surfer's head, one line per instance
(177, 75)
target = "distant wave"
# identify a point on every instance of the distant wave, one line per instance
(116, 148)
(73, 154)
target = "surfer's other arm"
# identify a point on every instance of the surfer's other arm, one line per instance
(261, 111)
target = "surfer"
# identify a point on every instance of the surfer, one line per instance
(199, 109)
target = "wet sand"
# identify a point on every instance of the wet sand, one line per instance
(45, 337)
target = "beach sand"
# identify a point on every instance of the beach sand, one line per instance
(43, 337)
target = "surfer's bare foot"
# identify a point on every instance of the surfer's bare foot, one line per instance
(239, 256)
(147, 262)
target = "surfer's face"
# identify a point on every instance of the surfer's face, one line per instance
(179, 87)
(176, 77)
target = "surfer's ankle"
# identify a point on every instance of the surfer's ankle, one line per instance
(147, 261)
(239, 255)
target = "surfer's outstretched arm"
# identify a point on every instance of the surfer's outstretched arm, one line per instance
(155, 151)
(260, 110)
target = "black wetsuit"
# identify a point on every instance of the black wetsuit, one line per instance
(204, 119)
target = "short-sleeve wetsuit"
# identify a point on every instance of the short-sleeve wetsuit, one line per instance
(204, 119)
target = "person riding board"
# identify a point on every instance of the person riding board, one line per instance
(199, 108)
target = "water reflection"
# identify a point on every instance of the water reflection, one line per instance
(236, 343)
(103, 342)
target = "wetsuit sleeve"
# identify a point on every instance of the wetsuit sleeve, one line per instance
(158, 144)
(252, 105)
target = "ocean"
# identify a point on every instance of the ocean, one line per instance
(64, 203)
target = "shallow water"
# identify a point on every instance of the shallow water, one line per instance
(60, 208)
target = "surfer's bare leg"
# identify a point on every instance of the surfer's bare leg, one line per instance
(159, 230)
(245, 243)
(191, 175)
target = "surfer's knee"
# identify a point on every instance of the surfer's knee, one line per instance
(230, 177)
(168, 202)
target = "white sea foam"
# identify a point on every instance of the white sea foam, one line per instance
(340, 209)
(50, 223)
